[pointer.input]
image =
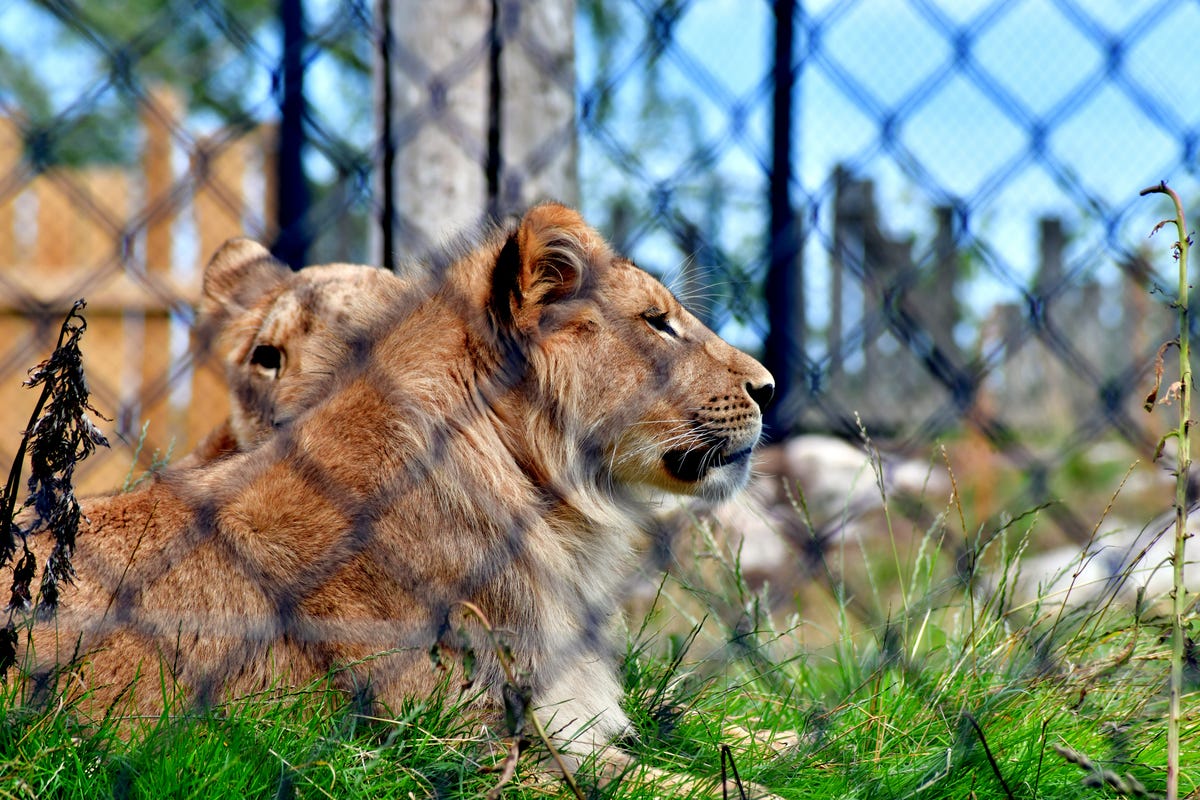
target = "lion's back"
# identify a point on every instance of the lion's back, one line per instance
(157, 598)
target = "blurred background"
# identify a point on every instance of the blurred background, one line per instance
(923, 215)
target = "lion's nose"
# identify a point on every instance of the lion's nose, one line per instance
(761, 393)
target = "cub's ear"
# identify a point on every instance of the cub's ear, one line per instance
(240, 272)
(545, 260)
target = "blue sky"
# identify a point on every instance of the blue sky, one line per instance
(1113, 85)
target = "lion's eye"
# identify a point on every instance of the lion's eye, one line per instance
(657, 318)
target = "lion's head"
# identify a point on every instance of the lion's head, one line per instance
(649, 394)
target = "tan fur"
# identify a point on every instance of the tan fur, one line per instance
(493, 437)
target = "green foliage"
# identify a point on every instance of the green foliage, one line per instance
(210, 55)
(308, 743)
(956, 697)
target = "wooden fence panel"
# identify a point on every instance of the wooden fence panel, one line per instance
(105, 345)
(115, 237)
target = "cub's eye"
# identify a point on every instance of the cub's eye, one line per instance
(267, 358)
(657, 318)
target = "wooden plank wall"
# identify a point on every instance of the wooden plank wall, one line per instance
(132, 242)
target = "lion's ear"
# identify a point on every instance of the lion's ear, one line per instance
(544, 261)
(239, 273)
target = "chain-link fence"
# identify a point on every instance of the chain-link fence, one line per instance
(922, 214)
(940, 232)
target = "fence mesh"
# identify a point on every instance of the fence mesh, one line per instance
(960, 186)
(964, 178)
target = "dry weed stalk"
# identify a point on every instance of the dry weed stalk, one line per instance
(1183, 391)
(60, 434)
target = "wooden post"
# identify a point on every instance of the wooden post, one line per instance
(850, 213)
(938, 299)
(1057, 397)
(481, 120)
(159, 117)
(106, 350)
(266, 141)
(220, 197)
(219, 204)
(10, 164)
(14, 328)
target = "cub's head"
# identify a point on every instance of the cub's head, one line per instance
(646, 394)
(276, 331)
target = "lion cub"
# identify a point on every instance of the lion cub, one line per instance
(259, 318)
(488, 436)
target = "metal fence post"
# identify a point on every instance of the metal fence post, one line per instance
(383, 244)
(784, 346)
(291, 245)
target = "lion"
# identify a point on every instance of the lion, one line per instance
(258, 317)
(482, 444)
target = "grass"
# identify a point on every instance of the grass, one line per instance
(944, 699)
(308, 744)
